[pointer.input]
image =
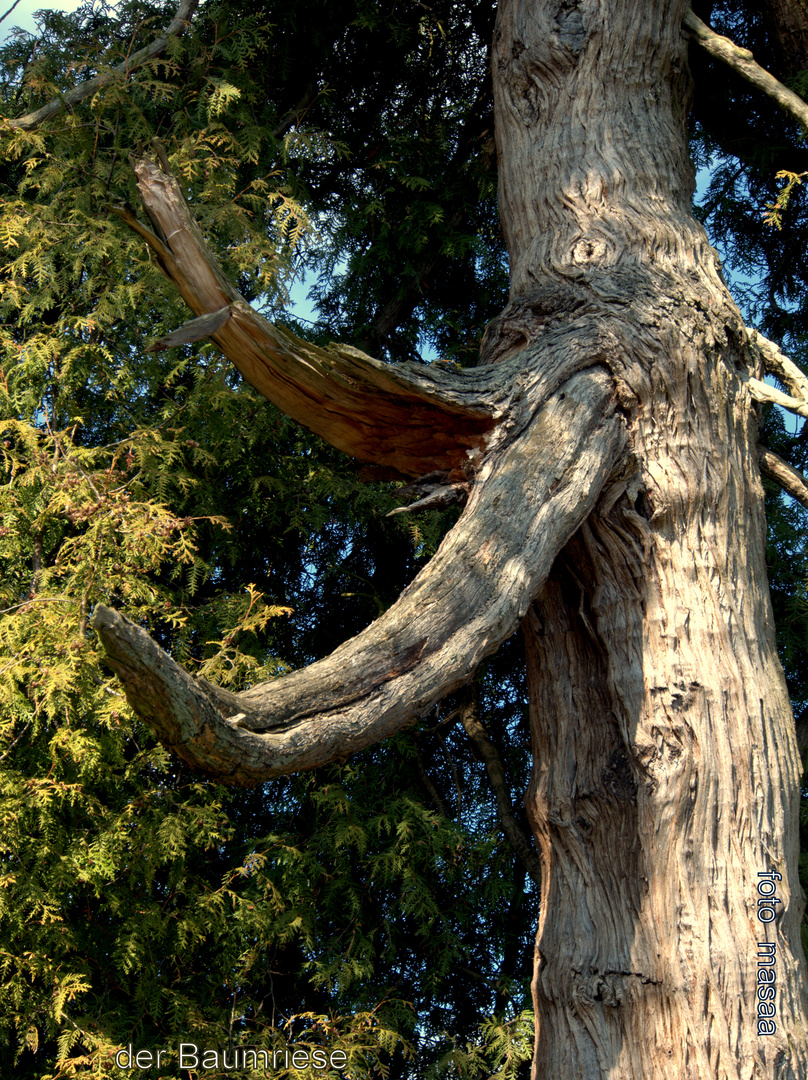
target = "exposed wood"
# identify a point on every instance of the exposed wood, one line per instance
(467, 600)
(79, 93)
(791, 480)
(762, 392)
(413, 418)
(743, 62)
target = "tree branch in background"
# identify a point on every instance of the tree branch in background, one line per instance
(178, 25)
(743, 62)
(521, 844)
(791, 480)
(4, 17)
(778, 364)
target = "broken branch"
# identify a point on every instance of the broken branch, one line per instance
(411, 417)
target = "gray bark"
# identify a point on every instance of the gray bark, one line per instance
(608, 443)
(665, 763)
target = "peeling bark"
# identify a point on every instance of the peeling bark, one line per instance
(608, 443)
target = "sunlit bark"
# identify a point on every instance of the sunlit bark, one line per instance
(608, 444)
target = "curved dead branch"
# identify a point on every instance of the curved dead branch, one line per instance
(414, 418)
(178, 25)
(743, 62)
(525, 504)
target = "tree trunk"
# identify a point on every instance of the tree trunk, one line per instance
(666, 770)
(608, 444)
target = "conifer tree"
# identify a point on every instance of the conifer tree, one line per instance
(605, 450)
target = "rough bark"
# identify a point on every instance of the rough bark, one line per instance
(665, 765)
(615, 503)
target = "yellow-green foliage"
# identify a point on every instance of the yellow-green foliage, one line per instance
(774, 211)
(140, 903)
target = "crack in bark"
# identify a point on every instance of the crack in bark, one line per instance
(468, 599)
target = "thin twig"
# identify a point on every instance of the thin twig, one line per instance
(4, 17)
(11, 746)
(39, 600)
(496, 776)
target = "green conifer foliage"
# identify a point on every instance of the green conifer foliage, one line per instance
(139, 904)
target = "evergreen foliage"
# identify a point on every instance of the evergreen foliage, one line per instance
(373, 907)
(141, 904)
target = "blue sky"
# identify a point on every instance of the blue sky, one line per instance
(23, 13)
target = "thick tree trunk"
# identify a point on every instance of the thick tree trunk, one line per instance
(665, 784)
(666, 770)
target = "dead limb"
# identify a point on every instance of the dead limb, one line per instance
(412, 417)
(525, 504)
(764, 393)
(778, 364)
(743, 62)
(123, 70)
(791, 480)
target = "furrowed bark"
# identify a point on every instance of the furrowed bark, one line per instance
(80, 93)
(525, 505)
(665, 769)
